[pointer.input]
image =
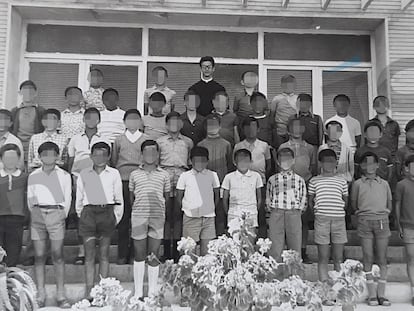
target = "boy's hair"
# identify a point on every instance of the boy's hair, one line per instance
(172, 114)
(326, 153)
(92, 110)
(213, 116)
(207, 59)
(242, 152)
(409, 125)
(28, 83)
(9, 147)
(96, 70)
(247, 121)
(160, 68)
(333, 122)
(158, 96)
(72, 88)
(380, 98)
(303, 97)
(7, 113)
(366, 155)
(222, 93)
(373, 123)
(48, 146)
(256, 95)
(51, 111)
(132, 111)
(342, 97)
(110, 90)
(189, 93)
(198, 151)
(407, 162)
(288, 79)
(285, 151)
(101, 145)
(293, 120)
(149, 143)
(246, 72)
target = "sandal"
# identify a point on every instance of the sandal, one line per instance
(382, 301)
(64, 304)
(80, 260)
(373, 302)
(41, 302)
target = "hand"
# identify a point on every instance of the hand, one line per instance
(400, 232)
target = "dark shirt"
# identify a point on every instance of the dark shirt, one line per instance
(196, 130)
(13, 201)
(266, 129)
(228, 121)
(313, 128)
(384, 160)
(400, 158)
(206, 91)
(405, 194)
(241, 105)
(390, 135)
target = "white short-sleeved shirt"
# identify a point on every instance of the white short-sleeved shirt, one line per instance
(112, 124)
(350, 129)
(242, 189)
(198, 200)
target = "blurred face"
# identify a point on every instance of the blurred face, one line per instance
(49, 157)
(250, 131)
(5, 123)
(213, 127)
(373, 134)
(91, 120)
(207, 69)
(50, 122)
(341, 106)
(220, 103)
(410, 169)
(259, 105)
(110, 100)
(304, 106)
(250, 80)
(174, 125)
(160, 77)
(28, 94)
(369, 166)
(381, 106)
(10, 159)
(199, 163)
(296, 129)
(288, 87)
(150, 155)
(100, 157)
(74, 97)
(328, 164)
(334, 132)
(243, 163)
(410, 137)
(156, 105)
(95, 79)
(286, 162)
(133, 122)
(192, 102)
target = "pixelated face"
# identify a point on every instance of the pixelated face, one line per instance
(133, 122)
(160, 76)
(303, 105)
(207, 69)
(373, 134)
(328, 164)
(192, 102)
(50, 122)
(5, 123)
(286, 162)
(10, 159)
(150, 155)
(156, 105)
(381, 105)
(74, 97)
(220, 103)
(296, 129)
(341, 106)
(410, 136)
(250, 80)
(110, 100)
(334, 132)
(95, 79)
(259, 105)
(289, 87)
(213, 127)
(410, 169)
(100, 157)
(49, 157)
(243, 163)
(91, 120)
(174, 125)
(250, 130)
(199, 163)
(369, 166)
(28, 94)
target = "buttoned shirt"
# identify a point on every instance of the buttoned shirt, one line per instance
(93, 98)
(72, 122)
(100, 189)
(194, 130)
(175, 152)
(10, 176)
(390, 134)
(9, 138)
(305, 159)
(283, 106)
(351, 128)
(241, 105)
(49, 189)
(313, 127)
(112, 124)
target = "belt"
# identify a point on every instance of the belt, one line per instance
(50, 206)
(102, 205)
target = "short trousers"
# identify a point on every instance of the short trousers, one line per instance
(369, 229)
(408, 235)
(251, 219)
(330, 230)
(97, 221)
(147, 226)
(175, 173)
(47, 223)
(199, 228)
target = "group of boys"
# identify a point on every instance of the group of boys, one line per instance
(166, 175)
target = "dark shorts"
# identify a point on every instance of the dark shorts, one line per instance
(370, 229)
(97, 221)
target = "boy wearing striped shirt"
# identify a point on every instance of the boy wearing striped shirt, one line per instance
(328, 197)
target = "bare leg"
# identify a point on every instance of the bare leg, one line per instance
(323, 258)
(381, 255)
(89, 246)
(40, 260)
(338, 255)
(368, 259)
(59, 265)
(104, 244)
(204, 247)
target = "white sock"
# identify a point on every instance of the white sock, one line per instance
(153, 273)
(139, 270)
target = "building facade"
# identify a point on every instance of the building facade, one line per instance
(362, 48)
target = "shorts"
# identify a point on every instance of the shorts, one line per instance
(250, 220)
(199, 228)
(174, 173)
(47, 223)
(408, 235)
(147, 226)
(369, 229)
(330, 230)
(97, 221)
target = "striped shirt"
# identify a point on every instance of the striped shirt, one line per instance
(287, 191)
(329, 192)
(149, 189)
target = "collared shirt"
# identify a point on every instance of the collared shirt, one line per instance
(287, 191)
(13, 193)
(390, 134)
(112, 123)
(16, 173)
(166, 91)
(283, 106)
(198, 200)
(80, 149)
(313, 127)
(93, 98)
(371, 197)
(242, 189)
(241, 105)
(33, 158)
(100, 189)
(49, 189)
(265, 128)
(194, 130)
(9, 138)
(154, 127)
(345, 159)
(351, 128)
(149, 189)
(305, 159)
(175, 152)
(260, 154)
(384, 160)
(72, 122)
(402, 154)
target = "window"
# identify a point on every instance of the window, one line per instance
(303, 79)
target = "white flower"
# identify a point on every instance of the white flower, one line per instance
(81, 305)
(375, 271)
(264, 245)
(185, 261)
(234, 225)
(2, 253)
(186, 245)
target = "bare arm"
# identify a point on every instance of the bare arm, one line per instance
(226, 196)
(358, 140)
(179, 198)
(216, 192)
(259, 197)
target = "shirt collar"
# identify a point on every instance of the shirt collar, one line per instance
(366, 179)
(247, 93)
(286, 173)
(248, 173)
(206, 80)
(196, 173)
(96, 134)
(337, 143)
(180, 136)
(90, 170)
(49, 135)
(133, 137)
(156, 88)
(16, 173)
(157, 168)
(388, 119)
(22, 105)
(305, 114)
(80, 111)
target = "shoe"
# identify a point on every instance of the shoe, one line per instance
(49, 261)
(305, 259)
(121, 261)
(80, 260)
(300, 303)
(412, 301)
(382, 301)
(64, 304)
(28, 261)
(373, 302)
(41, 302)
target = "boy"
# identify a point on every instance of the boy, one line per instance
(198, 196)
(126, 157)
(373, 133)
(193, 122)
(372, 201)
(13, 211)
(328, 198)
(8, 138)
(49, 194)
(100, 206)
(154, 123)
(266, 123)
(93, 96)
(241, 105)
(174, 158)
(159, 75)
(283, 106)
(405, 151)
(404, 198)
(351, 128)
(112, 124)
(286, 202)
(206, 87)
(242, 192)
(50, 122)
(27, 117)
(229, 121)
(149, 187)
(72, 117)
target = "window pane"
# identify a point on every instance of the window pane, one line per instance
(52, 80)
(196, 43)
(353, 84)
(317, 47)
(303, 79)
(182, 76)
(83, 40)
(125, 80)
